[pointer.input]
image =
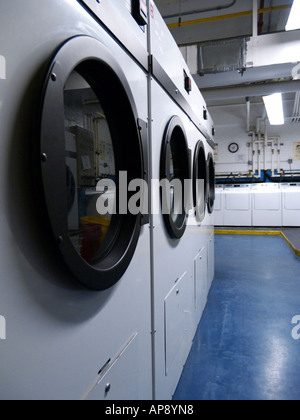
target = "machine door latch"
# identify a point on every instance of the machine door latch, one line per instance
(187, 82)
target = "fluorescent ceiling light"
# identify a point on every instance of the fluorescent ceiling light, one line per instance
(294, 19)
(274, 107)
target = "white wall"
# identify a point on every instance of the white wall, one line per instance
(230, 122)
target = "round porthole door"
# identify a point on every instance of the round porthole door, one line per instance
(200, 182)
(175, 178)
(89, 135)
(211, 183)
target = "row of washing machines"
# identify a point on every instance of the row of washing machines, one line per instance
(99, 307)
(258, 205)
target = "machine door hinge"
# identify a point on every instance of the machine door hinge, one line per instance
(143, 129)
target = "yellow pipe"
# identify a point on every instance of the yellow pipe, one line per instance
(228, 16)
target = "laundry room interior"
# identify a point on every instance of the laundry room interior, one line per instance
(150, 202)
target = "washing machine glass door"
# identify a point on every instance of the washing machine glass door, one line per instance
(91, 187)
(90, 144)
(211, 183)
(175, 177)
(200, 181)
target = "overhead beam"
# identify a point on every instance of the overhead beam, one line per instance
(211, 95)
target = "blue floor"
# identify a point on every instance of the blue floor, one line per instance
(244, 349)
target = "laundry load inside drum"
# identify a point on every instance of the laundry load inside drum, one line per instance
(93, 231)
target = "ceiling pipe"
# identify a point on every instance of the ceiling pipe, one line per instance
(198, 11)
(255, 19)
(225, 17)
(261, 18)
(250, 91)
(248, 114)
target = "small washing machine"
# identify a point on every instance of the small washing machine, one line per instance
(180, 150)
(171, 253)
(219, 206)
(266, 205)
(237, 205)
(202, 220)
(290, 204)
(211, 206)
(75, 284)
(211, 196)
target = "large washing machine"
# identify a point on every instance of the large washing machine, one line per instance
(181, 223)
(266, 205)
(75, 285)
(290, 204)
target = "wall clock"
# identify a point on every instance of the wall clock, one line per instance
(233, 148)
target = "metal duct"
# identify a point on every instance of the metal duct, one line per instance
(248, 103)
(221, 56)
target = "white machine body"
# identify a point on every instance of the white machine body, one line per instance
(63, 342)
(267, 208)
(237, 205)
(290, 204)
(219, 206)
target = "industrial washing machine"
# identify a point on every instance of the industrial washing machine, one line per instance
(75, 285)
(181, 229)
(290, 204)
(203, 221)
(238, 205)
(266, 205)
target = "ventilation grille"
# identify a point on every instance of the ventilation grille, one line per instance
(222, 56)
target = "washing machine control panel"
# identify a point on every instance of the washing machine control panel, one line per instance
(140, 12)
(115, 15)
